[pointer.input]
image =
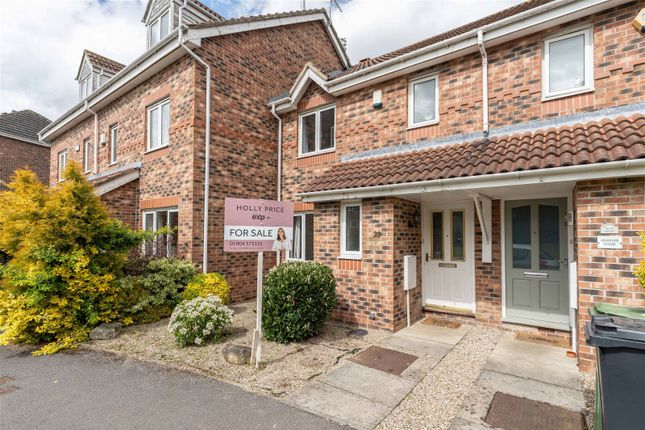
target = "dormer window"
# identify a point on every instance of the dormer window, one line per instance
(158, 29)
(86, 87)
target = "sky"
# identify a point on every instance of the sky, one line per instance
(41, 41)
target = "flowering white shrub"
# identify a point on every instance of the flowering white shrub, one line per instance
(199, 320)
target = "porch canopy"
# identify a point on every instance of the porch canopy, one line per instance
(522, 161)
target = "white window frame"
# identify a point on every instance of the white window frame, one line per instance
(155, 227)
(158, 20)
(114, 141)
(344, 253)
(62, 164)
(588, 60)
(316, 112)
(151, 109)
(411, 84)
(303, 237)
(87, 151)
(86, 86)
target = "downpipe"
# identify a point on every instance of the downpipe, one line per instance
(482, 51)
(279, 182)
(95, 169)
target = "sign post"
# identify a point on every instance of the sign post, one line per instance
(257, 226)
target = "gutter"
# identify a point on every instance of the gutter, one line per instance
(611, 169)
(207, 138)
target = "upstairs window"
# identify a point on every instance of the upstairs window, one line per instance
(423, 101)
(87, 150)
(318, 131)
(86, 87)
(114, 142)
(568, 64)
(62, 164)
(158, 125)
(158, 29)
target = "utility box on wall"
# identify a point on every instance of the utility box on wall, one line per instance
(409, 272)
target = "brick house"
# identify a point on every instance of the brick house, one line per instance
(20, 147)
(189, 118)
(507, 156)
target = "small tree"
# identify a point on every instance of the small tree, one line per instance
(64, 252)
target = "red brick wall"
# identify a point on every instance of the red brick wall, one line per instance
(16, 154)
(606, 275)
(123, 203)
(488, 276)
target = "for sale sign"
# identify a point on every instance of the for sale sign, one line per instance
(257, 225)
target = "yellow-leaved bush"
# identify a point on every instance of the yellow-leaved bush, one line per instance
(208, 284)
(64, 253)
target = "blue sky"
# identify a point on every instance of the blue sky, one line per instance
(41, 41)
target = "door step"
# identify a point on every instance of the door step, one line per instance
(448, 310)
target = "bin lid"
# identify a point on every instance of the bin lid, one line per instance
(633, 312)
(611, 327)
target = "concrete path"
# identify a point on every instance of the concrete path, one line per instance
(524, 369)
(360, 396)
(85, 390)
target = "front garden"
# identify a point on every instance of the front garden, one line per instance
(71, 267)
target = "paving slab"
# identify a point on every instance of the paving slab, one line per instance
(450, 336)
(459, 424)
(547, 354)
(420, 368)
(531, 389)
(475, 405)
(416, 346)
(339, 405)
(369, 383)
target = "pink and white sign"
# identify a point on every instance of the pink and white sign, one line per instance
(257, 225)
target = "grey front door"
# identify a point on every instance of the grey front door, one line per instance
(537, 280)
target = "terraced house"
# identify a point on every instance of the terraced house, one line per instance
(506, 155)
(168, 136)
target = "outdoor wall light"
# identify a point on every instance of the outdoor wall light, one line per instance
(416, 219)
(377, 99)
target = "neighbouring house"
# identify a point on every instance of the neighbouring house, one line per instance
(506, 155)
(20, 147)
(167, 137)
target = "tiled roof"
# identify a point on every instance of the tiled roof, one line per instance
(104, 62)
(255, 18)
(498, 16)
(607, 140)
(23, 123)
(207, 9)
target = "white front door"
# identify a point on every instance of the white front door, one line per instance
(449, 254)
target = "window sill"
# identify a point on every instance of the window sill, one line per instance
(423, 124)
(350, 257)
(149, 151)
(313, 154)
(112, 164)
(550, 97)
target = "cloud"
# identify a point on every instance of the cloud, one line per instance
(41, 41)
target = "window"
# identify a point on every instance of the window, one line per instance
(163, 245)
(159, 29)
(318, 131)
(62, 164)
(158, 125)
(437, 235)
(303, 237)
(87, 150)
(457, 244)
(350, 233)
(423, 101)
(567, 65)
(114, 141)
(86, 87)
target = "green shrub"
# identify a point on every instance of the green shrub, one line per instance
(640, 270)
(64, 253)
(208, 284)
(156, 291)
(297, 299)
(199, 320)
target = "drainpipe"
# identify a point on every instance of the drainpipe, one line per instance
(96, 137)
(482, 50)
(207, 131)
(279, 191)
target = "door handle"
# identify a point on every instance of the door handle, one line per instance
(426, 257)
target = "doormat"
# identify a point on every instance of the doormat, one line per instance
(534, 337)
(516, 413)
(385, 360)
(441, 322)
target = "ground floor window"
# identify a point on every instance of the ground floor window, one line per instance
(350, 230)
(164, 245)
(303, 237)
